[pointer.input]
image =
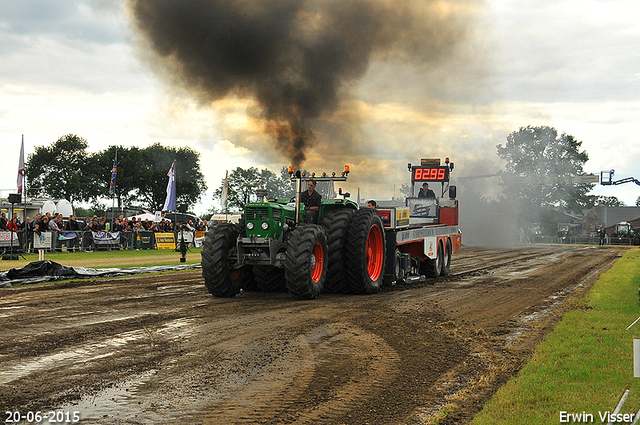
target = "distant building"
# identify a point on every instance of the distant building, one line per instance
(610, 216)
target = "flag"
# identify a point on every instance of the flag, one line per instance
(170, 201)
(114, 171)
(225, 191)
(21, 168)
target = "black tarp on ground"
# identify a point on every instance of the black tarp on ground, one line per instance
(47, 270)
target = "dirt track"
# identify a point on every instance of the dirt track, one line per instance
(159, 349)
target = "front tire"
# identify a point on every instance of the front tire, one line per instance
(366, 252)
(219, 251)
(269, 278)
(305, 267)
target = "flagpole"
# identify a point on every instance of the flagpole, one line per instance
(225, 195)
(21, 181)
(113, 194)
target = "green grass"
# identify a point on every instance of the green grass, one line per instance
(585, 364)
(107, 259)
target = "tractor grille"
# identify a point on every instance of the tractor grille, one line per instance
(277, 214)
(257, 213)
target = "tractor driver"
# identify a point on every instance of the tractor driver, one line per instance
(425, 192)
(311, 200)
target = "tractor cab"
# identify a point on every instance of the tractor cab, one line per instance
(623, 229)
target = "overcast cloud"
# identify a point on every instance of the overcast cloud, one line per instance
(77, 67)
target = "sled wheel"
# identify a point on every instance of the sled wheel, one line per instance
(432, 267)
(446, 260)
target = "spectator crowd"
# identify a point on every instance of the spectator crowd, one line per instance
(84, 229)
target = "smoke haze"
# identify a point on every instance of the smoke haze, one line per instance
(296, 60)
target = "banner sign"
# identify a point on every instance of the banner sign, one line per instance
(165, 241)
(42, 240)
(199, 238)
(423, 207)
(65, 236)
(6, 240)
(106, 238)
(188, 237)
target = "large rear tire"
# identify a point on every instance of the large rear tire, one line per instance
(366, 252)
(305, 267)
(269, 278)
(218, 253)
(336, 225)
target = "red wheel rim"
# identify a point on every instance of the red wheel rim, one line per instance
(317, 262)
(375, 253)
(234, 274)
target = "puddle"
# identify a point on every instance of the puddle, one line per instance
(83, 354)
(108, 403)
(92, 351)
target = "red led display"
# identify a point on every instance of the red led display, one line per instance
(430, 174)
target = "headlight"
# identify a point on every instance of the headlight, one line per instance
(264, 225)
(250, 225)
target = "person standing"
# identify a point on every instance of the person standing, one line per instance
(27, 231)
(73, 226)
(54, 229)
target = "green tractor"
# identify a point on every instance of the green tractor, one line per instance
(272, 249)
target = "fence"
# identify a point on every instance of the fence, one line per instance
(579, 239)
(86, 240)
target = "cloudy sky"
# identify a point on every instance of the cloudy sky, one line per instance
(84, 67)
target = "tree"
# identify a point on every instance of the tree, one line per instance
(405, 191)
(540, 154)
(128, 178)
(242, 185)
(610, 201)
(142, 175)
(155, 163)
(279, 186)
(60, 170)
(638, 201)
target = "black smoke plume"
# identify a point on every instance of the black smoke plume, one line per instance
(296, 58)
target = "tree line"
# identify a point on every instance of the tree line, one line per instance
(66, 170)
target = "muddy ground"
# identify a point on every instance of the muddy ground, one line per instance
(159, 349)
